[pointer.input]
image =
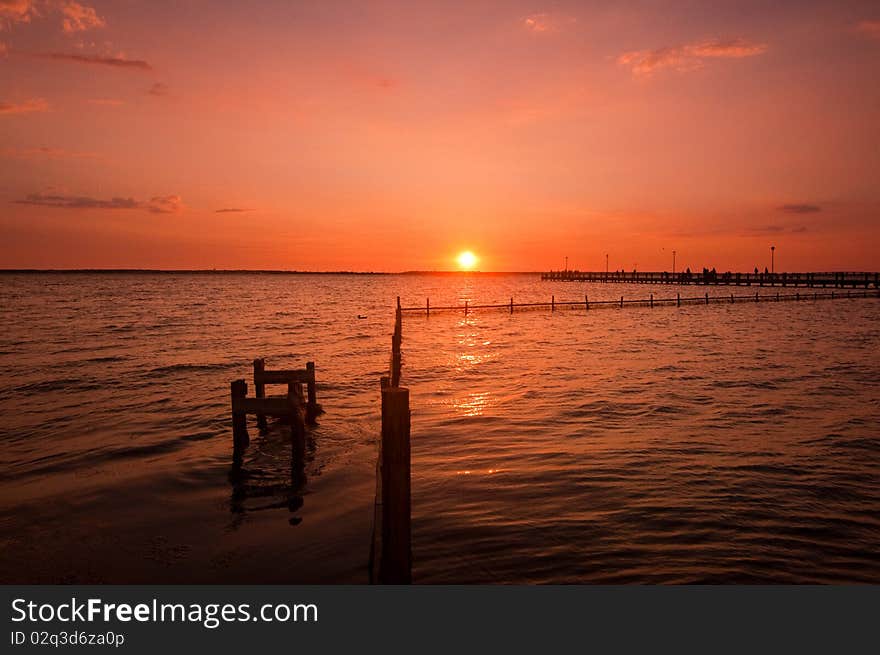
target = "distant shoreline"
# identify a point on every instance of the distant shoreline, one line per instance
(208, 271)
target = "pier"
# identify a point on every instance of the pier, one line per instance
(651, 301)
(838, 280)
(296, 407)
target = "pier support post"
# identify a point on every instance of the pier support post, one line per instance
(552, 303)
(621, 302)
(678, 299)
(240, 437)
(756, 296)
(260, 389)
(652, 301)
(587, 302)
(395, 563)
(707, 297)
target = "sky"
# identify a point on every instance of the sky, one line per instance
(389, 136)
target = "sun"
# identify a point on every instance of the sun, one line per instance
(466, 260)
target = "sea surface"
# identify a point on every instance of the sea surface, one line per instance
(715, 444)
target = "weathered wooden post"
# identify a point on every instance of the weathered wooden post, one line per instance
(312, 391)
(731, 299)
(707, 297)
(652, 301)
(756, 296)
(427, 306)
(777, 296)
(678, 299)
(260, 388)
(552, 303)
(465, 307)
(511, 304)
(395, 563)
(240, 437)
(621, 302)
(587, 302)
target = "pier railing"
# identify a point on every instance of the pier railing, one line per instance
(619, 303)
(838, 280)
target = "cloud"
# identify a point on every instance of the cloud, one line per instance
(47, 153)
(158, 89)
(800, 209)
(116, 62)
(689, 57)
(230, 210)
(870, 28)
(31, 106)
(77, 17)
(542, 23)
(156, 205)
(164, 204)
(16, 11)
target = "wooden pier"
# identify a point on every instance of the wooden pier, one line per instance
(391, 548)
(295, 407)
(619, 303)
(832, 280)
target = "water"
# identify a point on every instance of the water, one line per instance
(729, 443)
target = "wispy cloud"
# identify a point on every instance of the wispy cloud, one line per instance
(870, 27)
(77, 17)
(544, 23)
(158, 89)
(34, 105)
(47, 153)
(164, 204)
(98, 60)
(688, 57)
(156, 205)
(799, 208)
(16, 11)
(230, 210)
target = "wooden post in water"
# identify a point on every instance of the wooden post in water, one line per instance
(756, 296)
(731, 299)
(240, 437)
(511, 304)
(427, 306)
(395, 563)
(652, 301)
(587, 301)
(552, 303)
(621, 302)
(465, 307)
(678, 299)
(777, 296)
(260, 388)
(707, 297)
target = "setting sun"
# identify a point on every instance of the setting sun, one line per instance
(466, 260)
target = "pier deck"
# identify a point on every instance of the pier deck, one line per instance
(833, 280)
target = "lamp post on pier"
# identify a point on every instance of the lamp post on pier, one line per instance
(772, 259)
(673, 262)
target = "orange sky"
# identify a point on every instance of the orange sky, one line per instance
(392, 135)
